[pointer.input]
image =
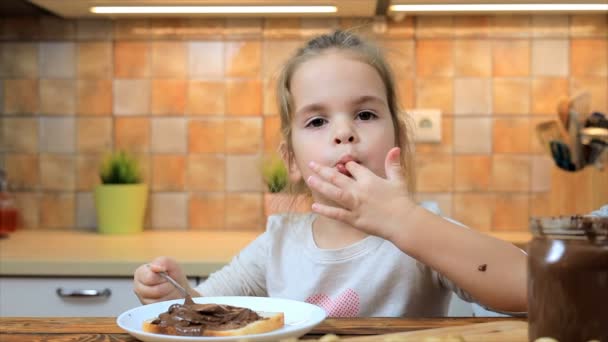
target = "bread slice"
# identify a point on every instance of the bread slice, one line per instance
(270, 321)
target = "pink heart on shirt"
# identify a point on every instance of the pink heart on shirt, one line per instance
(344, 305)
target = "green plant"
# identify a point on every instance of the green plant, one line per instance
(120, 168)
(274, 173)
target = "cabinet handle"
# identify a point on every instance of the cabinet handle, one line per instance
(83, 293)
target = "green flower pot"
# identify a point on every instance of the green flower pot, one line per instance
(120, 208)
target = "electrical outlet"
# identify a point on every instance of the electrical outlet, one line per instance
(427, 125)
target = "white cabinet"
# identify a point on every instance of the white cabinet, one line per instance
(459, 308)
(82, 297)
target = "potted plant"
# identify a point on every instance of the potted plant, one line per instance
(121, 198)
(277, 198)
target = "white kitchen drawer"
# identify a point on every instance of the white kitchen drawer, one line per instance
(24, 296)
(460, 308)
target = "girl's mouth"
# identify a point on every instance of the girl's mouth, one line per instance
(342, 169)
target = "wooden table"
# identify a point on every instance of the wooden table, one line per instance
(105, 329)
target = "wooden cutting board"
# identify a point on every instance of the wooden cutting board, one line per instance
(505, 331)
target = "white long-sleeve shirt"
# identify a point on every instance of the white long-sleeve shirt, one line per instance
(601, 212)
(369, 278)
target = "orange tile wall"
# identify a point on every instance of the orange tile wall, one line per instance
(193, 100)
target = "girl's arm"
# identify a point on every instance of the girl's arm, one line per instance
(245, 275)
(491, 270)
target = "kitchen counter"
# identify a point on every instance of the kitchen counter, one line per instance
(73, 253)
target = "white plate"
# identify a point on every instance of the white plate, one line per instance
(300, 318)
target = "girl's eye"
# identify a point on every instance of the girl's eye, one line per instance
(366, 115)
(316, 122)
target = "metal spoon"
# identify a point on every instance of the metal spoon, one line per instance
(174, 283)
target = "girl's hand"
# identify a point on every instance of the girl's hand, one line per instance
(373, 204)
(367, 202)
(150, 287)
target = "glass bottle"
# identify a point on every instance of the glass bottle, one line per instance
(568, 278)
(8, 209)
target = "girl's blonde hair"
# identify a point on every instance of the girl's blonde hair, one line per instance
(352, 45)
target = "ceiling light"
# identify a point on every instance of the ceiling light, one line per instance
(211, 9)
(497, 7)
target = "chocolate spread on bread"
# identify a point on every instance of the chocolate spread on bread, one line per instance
(568, 279)
(191, 319)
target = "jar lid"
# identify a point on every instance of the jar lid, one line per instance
(592, 228)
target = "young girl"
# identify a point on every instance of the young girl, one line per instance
(366, 249)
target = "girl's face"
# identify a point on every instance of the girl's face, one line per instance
(340, 114)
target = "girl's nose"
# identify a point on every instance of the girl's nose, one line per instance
(344, 134)
(344, 130)
(350, 138)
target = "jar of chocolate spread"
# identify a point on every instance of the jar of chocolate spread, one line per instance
(568, 279)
